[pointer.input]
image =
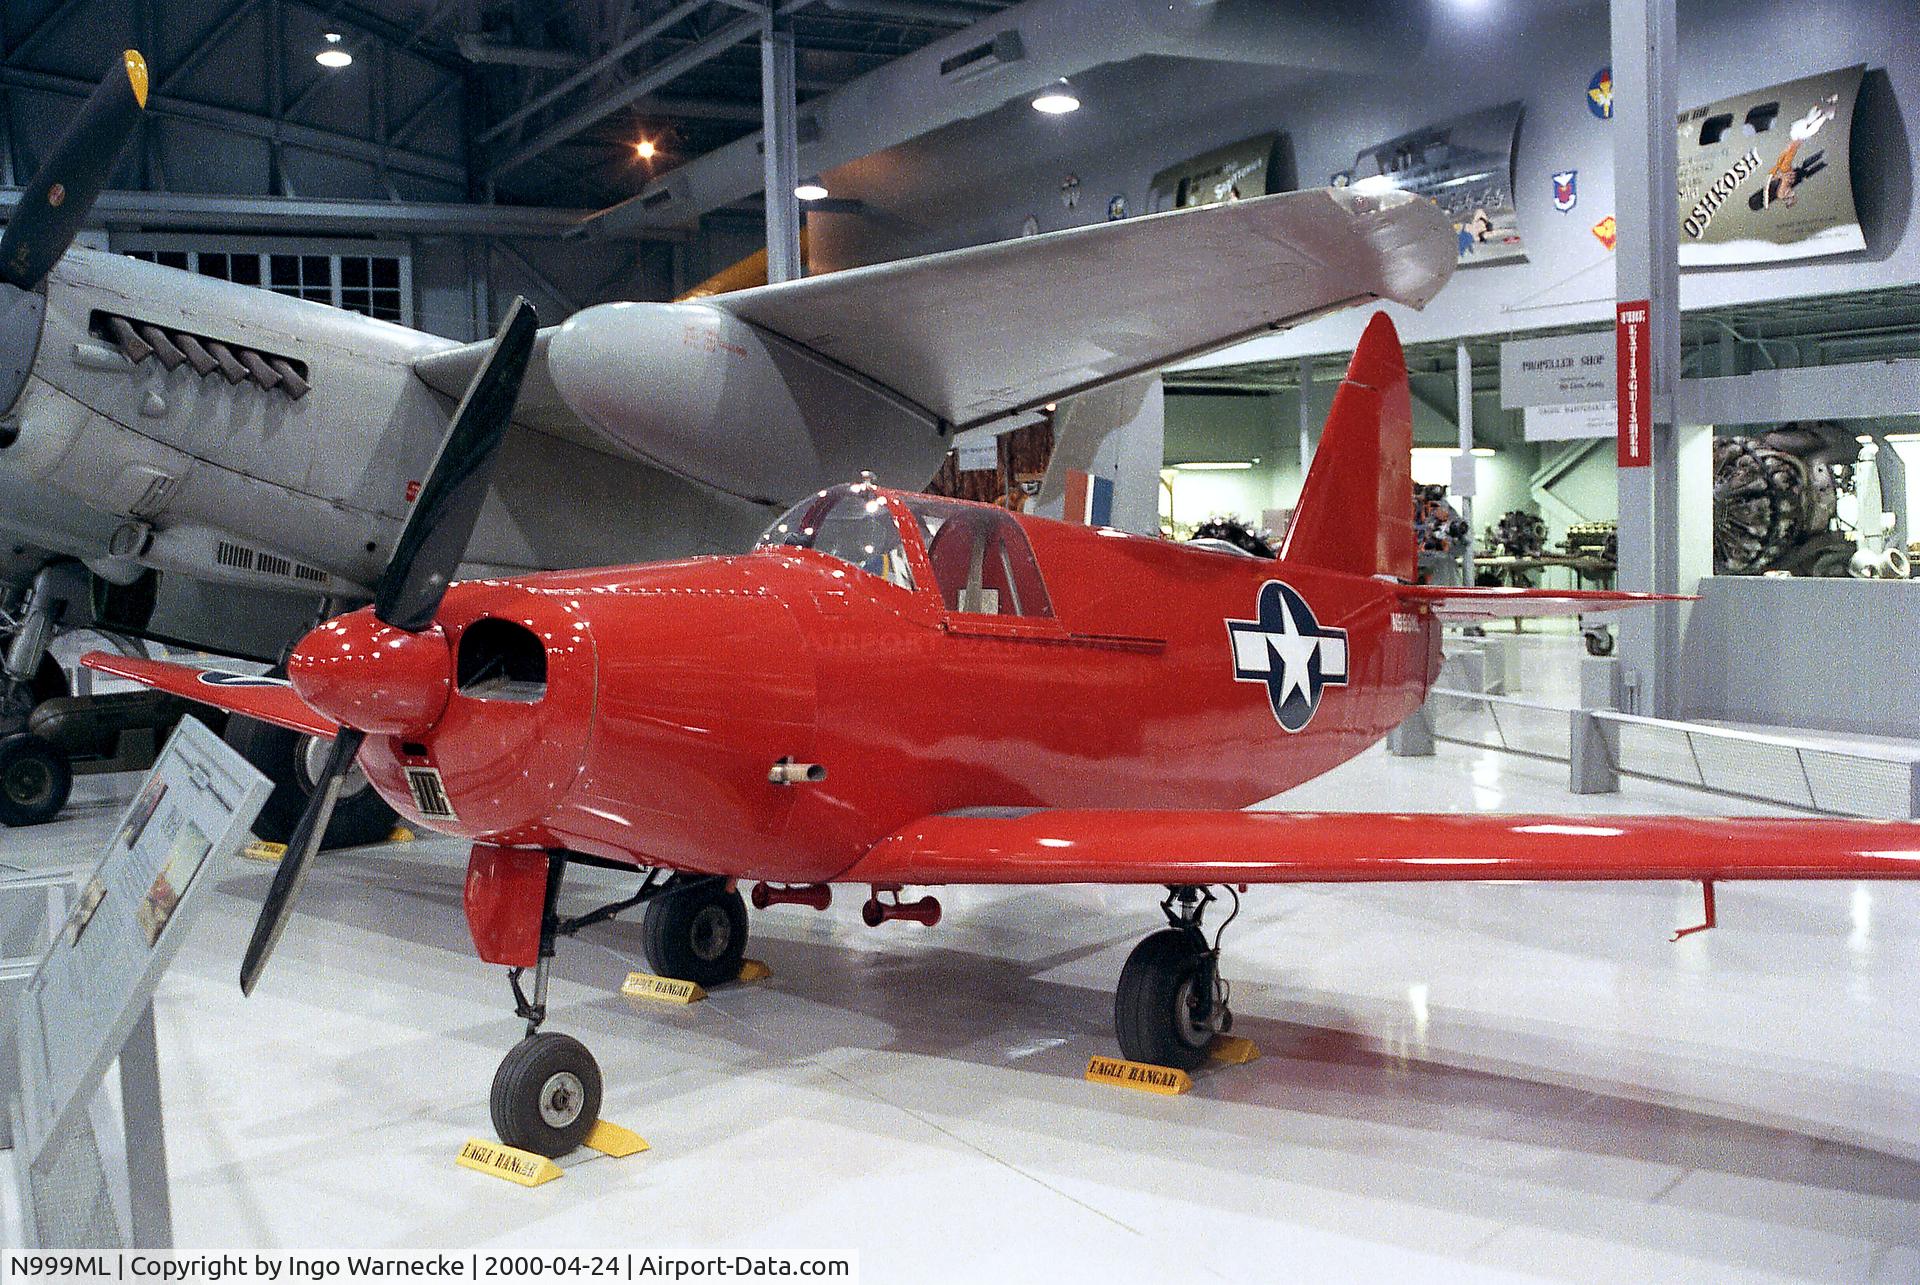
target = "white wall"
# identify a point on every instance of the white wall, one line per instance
(978, 180)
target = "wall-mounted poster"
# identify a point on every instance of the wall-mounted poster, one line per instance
(1466, 166)
(1248, 168)
(1765, 176)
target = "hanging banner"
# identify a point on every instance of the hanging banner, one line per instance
(1633, 392)
(1767, 175)
(1252, 167)
(1466, 166)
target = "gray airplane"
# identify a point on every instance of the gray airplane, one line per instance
(246, 460)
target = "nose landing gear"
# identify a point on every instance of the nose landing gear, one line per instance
(546, 1092)
(1172, 1001)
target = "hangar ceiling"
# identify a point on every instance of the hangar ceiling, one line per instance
(445, 101)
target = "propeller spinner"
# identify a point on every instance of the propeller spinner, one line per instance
(408, 596)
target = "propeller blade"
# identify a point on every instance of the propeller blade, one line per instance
(56, 202)
(292, 873)
(436, 535)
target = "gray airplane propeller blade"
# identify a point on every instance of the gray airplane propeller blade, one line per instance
(292, 873)
(411, 588)
(436, 535)
(55, 203)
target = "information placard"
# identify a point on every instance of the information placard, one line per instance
(93, 983)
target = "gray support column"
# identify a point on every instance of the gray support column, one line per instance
(779, 109)
(149, 1198)
(1464, 472)
(1413, 738)
(1306, 415)
(1593, 750)
(1646, 266)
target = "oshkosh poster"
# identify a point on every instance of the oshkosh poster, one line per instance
(1765, 176)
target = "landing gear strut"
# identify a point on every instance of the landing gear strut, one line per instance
(1171, 1000)
(546, 1094)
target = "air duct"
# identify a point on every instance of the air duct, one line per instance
(1018, 52)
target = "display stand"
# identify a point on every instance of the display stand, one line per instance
(89, 1003)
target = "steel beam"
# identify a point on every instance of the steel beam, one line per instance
(779, 107)
(662, 73)
(412, 119)
(307, 136)
(221, 28)
(1646, 267)
(946, 15)
(607, 61)
(185, 210)
(481, 50)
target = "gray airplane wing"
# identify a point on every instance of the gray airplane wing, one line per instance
(972, 336)
(976, 334)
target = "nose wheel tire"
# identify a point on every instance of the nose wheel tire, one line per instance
(546, 1094)
(1169, 1004)
(35, 779)
(696, 931)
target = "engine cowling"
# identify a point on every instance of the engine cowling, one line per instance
(701, 393)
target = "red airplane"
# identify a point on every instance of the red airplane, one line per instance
(896, 690)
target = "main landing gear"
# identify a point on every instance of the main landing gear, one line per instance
(1172, 1001)
(546, 1094)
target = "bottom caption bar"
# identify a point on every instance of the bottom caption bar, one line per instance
(174, 1268)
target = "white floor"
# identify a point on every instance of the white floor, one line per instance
(1472, 1082)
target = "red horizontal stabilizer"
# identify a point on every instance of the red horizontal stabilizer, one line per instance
(268, 699)
(1126, 847)
(1459, 602)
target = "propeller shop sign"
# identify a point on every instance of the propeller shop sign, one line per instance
(1766, 175)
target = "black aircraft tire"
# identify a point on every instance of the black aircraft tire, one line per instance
(1151, 1005)
(50, 683)
(360, 818)
(35, 779)
(696, 932)
(546, 1094)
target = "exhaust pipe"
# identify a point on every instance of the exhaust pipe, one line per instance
(925, 911)
(816, 895)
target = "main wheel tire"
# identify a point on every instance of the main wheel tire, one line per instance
(50, 682)
(696, 931)
(35, 779)
(1164, 1010)
(360, 818)
(546, 1094)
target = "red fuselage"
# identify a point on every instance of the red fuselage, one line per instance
(671, 689)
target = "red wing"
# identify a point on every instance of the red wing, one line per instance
(1068, 846)
(1458, 602)
(268, 699)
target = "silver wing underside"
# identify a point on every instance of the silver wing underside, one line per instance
(976, 335)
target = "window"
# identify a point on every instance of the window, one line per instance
(374, 285)
(852, 524)
(981, 559)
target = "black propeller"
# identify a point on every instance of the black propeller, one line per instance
(56, 202)
(411, 588)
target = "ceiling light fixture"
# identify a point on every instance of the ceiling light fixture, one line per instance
(333, 56)
(1213, 466)
(810, 189)
(646, 149)
(1057, 99)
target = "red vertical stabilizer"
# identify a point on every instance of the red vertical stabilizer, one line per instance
(1356, 510)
